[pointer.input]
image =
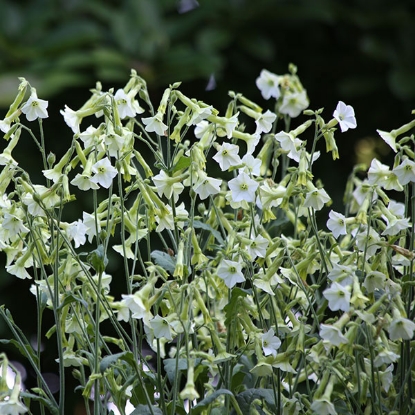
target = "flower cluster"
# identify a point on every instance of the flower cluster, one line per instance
(228, 279)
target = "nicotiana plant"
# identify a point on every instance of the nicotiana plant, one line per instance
(246, 303)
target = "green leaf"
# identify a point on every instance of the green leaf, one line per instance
(145, 410)
(170, 367)
(107, 361)
(246, 398)
(164, 260)
(211, 398)
(200, 225)
(183, 163)
(24, 351)
(98, 259)
(70, 298)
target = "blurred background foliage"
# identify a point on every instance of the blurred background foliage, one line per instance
(359, 51)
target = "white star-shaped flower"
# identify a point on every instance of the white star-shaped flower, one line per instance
(34, 107)
(155, 124)
(270, 343)
(268, 84)
(104, 173)
(230, 272)
(344, 114)
(227, 156)
(243, 188)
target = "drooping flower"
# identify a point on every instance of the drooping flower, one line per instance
(268, 84)
(243, 188)
(389, 139)
(270, 343)
(264, 122)
(230, 272)
(344, 114)
(77, 232)
(332, 334)
(34, 107)
(155, 124)
(251, 164)
(72, 119)
(161, 328)
(127, 106)
(401, 328)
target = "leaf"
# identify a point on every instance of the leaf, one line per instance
(170, 367)
(24, 351)
(145, 410)
(164, 260)
(183, 163)
(70, 298)
(246, 398)
(107, 361)
(209, 399)
(200, 225)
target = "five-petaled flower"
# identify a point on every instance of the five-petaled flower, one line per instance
(344, 114)
(34, 107)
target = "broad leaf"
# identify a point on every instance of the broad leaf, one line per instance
(164, 260)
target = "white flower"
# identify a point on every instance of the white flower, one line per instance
(270, 343)
(77, 232)
(161, 328)
(243, 188)
(251, 164)
(206, 186)
(12, 407)
(386, 378)
(35, 107)
(338, 297)
(155, 124)
(342, 274)
(227, 156)
(293, 103)
(332, 334)
(323, 406)
(396, 225)
(389, 139)
(18, 270)
(264, 122)
(72, 119)
(167, 186)
(258, 247)
(229, 124)
(316, 198)
(337, 224)
(287, 141)
(385, 356)
(344, 114)
(84, 182)
(90, 136)
(104, 173)
(405, 172)
(268, 84)
(370, 242)
(89, 222)
(14, 225)
(230, 272)
(401, 328)
(375, 280)
(127, 106)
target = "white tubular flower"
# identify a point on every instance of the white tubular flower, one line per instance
(35, 108)
(270, 343)
(293, 104)
(338, 297)
(251, 164)
(243, 188)
(155, 124)
(76, 231)
(344, 114)
(127, 106)
(401, 328)
(206, 186)
(14, 225)
(268, 84)
(264, 122)
(167, 185)
(405, 172)
(332, 334)
(375, 280)
(258, 247)
(337, 224)
(389, 139)
(89, 222)
(342, 274)
(316, 198)
(323, 406)
(230, 272)
(161, 328)
(84, 182)
(104, 173)
(72, 119)
(227, 156)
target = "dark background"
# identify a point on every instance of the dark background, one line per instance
(360, 51)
